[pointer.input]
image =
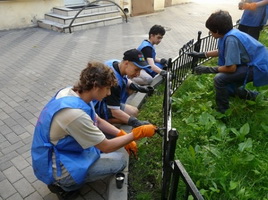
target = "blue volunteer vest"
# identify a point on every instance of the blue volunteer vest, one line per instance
(258, 55)
(121, 80)
(146, 43)
(101, 106)
(255, 18)
(67, 151)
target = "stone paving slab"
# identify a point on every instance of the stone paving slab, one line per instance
(35, 63)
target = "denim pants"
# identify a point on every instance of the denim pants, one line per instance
(107, 165)
(232, 84)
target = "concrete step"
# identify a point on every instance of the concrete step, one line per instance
(91, 17)
(62, 19)
(71, 11)
(79, 26)
(113, 192)
(138, 98)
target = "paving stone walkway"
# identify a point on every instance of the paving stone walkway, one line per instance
(35, 63)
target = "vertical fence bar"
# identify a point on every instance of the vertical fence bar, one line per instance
(168, 160)
(166, 107)
(174, 185)
(179, 68)
(197, 47)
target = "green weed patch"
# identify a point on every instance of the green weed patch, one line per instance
(225, 154)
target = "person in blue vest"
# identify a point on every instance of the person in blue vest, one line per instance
(114, 108)
(147, 47)
(254, 16)
(241, 59)
(69, 147)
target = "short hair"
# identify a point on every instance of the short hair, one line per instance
(220, 22)
(157, 29)
(95, 74)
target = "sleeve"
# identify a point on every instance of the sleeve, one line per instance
(83, 130)
(232, 52)
(113, 101)
(147, 52)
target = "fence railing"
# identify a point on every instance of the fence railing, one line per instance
(182, 65)
(178, 70)
(173, 170)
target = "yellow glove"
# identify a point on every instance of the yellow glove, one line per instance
(144, 131)
(249, 6)
(131, 147)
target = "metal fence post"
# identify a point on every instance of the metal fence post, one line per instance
(197, 47)
(168, 161)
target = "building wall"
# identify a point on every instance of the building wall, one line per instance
(24, 13)
(159, 5)
(174, 2)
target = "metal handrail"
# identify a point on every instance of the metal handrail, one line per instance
(70, 25)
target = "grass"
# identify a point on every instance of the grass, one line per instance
(226, 155)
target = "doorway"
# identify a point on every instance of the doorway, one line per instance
(168, 3)
(140, 7)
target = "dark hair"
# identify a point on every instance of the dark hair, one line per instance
(95, 74)
(157, 29)
(220, 22)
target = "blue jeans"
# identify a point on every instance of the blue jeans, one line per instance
(231, 84)
(107, 165)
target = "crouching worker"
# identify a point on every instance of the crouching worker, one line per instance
(241, 59)
(114, 108)
(69, 147)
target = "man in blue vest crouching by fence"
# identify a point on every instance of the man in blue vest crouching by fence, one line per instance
(69, 147)
(242, 59)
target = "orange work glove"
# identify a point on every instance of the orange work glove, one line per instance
(144, 131)
(131, 147)
(249, 6)
(121, 133)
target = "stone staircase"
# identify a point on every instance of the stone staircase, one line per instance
(91, 17)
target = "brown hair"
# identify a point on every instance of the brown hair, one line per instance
(95, 74)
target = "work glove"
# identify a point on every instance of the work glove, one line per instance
(131, 147)
(163, 73)
(163, 61)
(144, 131)
(197, 54)
(134, 122)
(142, 89)
(205, 70)
(247, 6)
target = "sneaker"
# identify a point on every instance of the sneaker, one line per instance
(61, 194)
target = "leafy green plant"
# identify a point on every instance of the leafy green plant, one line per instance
(225, 154)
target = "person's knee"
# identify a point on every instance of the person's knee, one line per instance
(118, 161)
(218, 80)
(123, 160)
(131, 110)
(148, 80)
(134, 112)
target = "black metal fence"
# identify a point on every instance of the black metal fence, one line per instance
(173, 170)
(182, 65)
(178, 70)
